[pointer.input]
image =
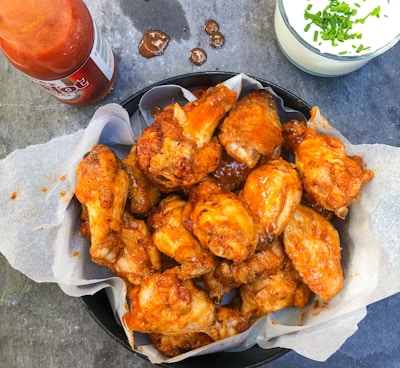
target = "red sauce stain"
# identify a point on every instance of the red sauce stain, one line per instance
(14, 196)
(75, 254)
(63, 178)
(63, 193)
(44, 190)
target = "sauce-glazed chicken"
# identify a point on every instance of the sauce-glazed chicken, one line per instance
(252, 129)
(329, 176)
(177, 150)
(210, 226)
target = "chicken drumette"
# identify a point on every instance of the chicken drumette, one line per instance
(174, 240)
(102, 187)
(177, 150)
(252, 130)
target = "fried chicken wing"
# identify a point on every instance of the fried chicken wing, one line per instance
(173, 239)
(272, 192)
(102, 186)
(229, 322)
(270, 293)
(266, 260)
(313, 245)
(218, 284)
(177, 150)
(165, 304)
(221, 221)
(330, 177)
(252, 129)
(173, 345)
(142, 195)
(138, 258)
(200, 117)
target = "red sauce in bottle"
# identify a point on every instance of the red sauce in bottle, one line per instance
(56, 43)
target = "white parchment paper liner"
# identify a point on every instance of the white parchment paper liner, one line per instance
(39, 231)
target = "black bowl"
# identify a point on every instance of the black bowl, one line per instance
(98, 306)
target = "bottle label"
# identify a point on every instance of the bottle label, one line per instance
(99, 66)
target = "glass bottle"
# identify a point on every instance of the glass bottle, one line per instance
(57, 44)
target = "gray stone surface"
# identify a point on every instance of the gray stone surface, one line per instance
(42, 327)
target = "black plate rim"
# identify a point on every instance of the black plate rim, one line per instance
(251, 358)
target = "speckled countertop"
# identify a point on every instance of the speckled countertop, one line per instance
(42, 327)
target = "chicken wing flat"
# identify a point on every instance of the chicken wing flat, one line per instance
(330, 177)
(272, 191)
(138, 258)
(313, 245)
(102, 186)
(252, 128)
(221, 221)
(165, 304)
(173, 239)
(270, 293)
(176, 151)
(142, 195)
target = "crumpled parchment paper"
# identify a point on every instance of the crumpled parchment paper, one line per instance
(39, 231)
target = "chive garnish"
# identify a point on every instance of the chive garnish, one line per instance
(335, 22)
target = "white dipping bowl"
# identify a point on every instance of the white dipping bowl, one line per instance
(310, 59)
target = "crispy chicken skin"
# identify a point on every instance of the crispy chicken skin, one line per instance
(173, 345)
(313, 245)
(138, 258)
(173, 239)
(252, 129)
(228, 275)
(266, 260)
(102, 186)
(221, 221)
(200, 118)
(177, 150)
(142, 195)
(270, 293)
(218, 284)
(272, 191)
(165, 304)
(229, 322)
(330, 177)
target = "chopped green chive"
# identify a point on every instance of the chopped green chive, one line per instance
(336, 21)
(373, 13)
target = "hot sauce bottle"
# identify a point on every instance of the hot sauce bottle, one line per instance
(57, 44)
